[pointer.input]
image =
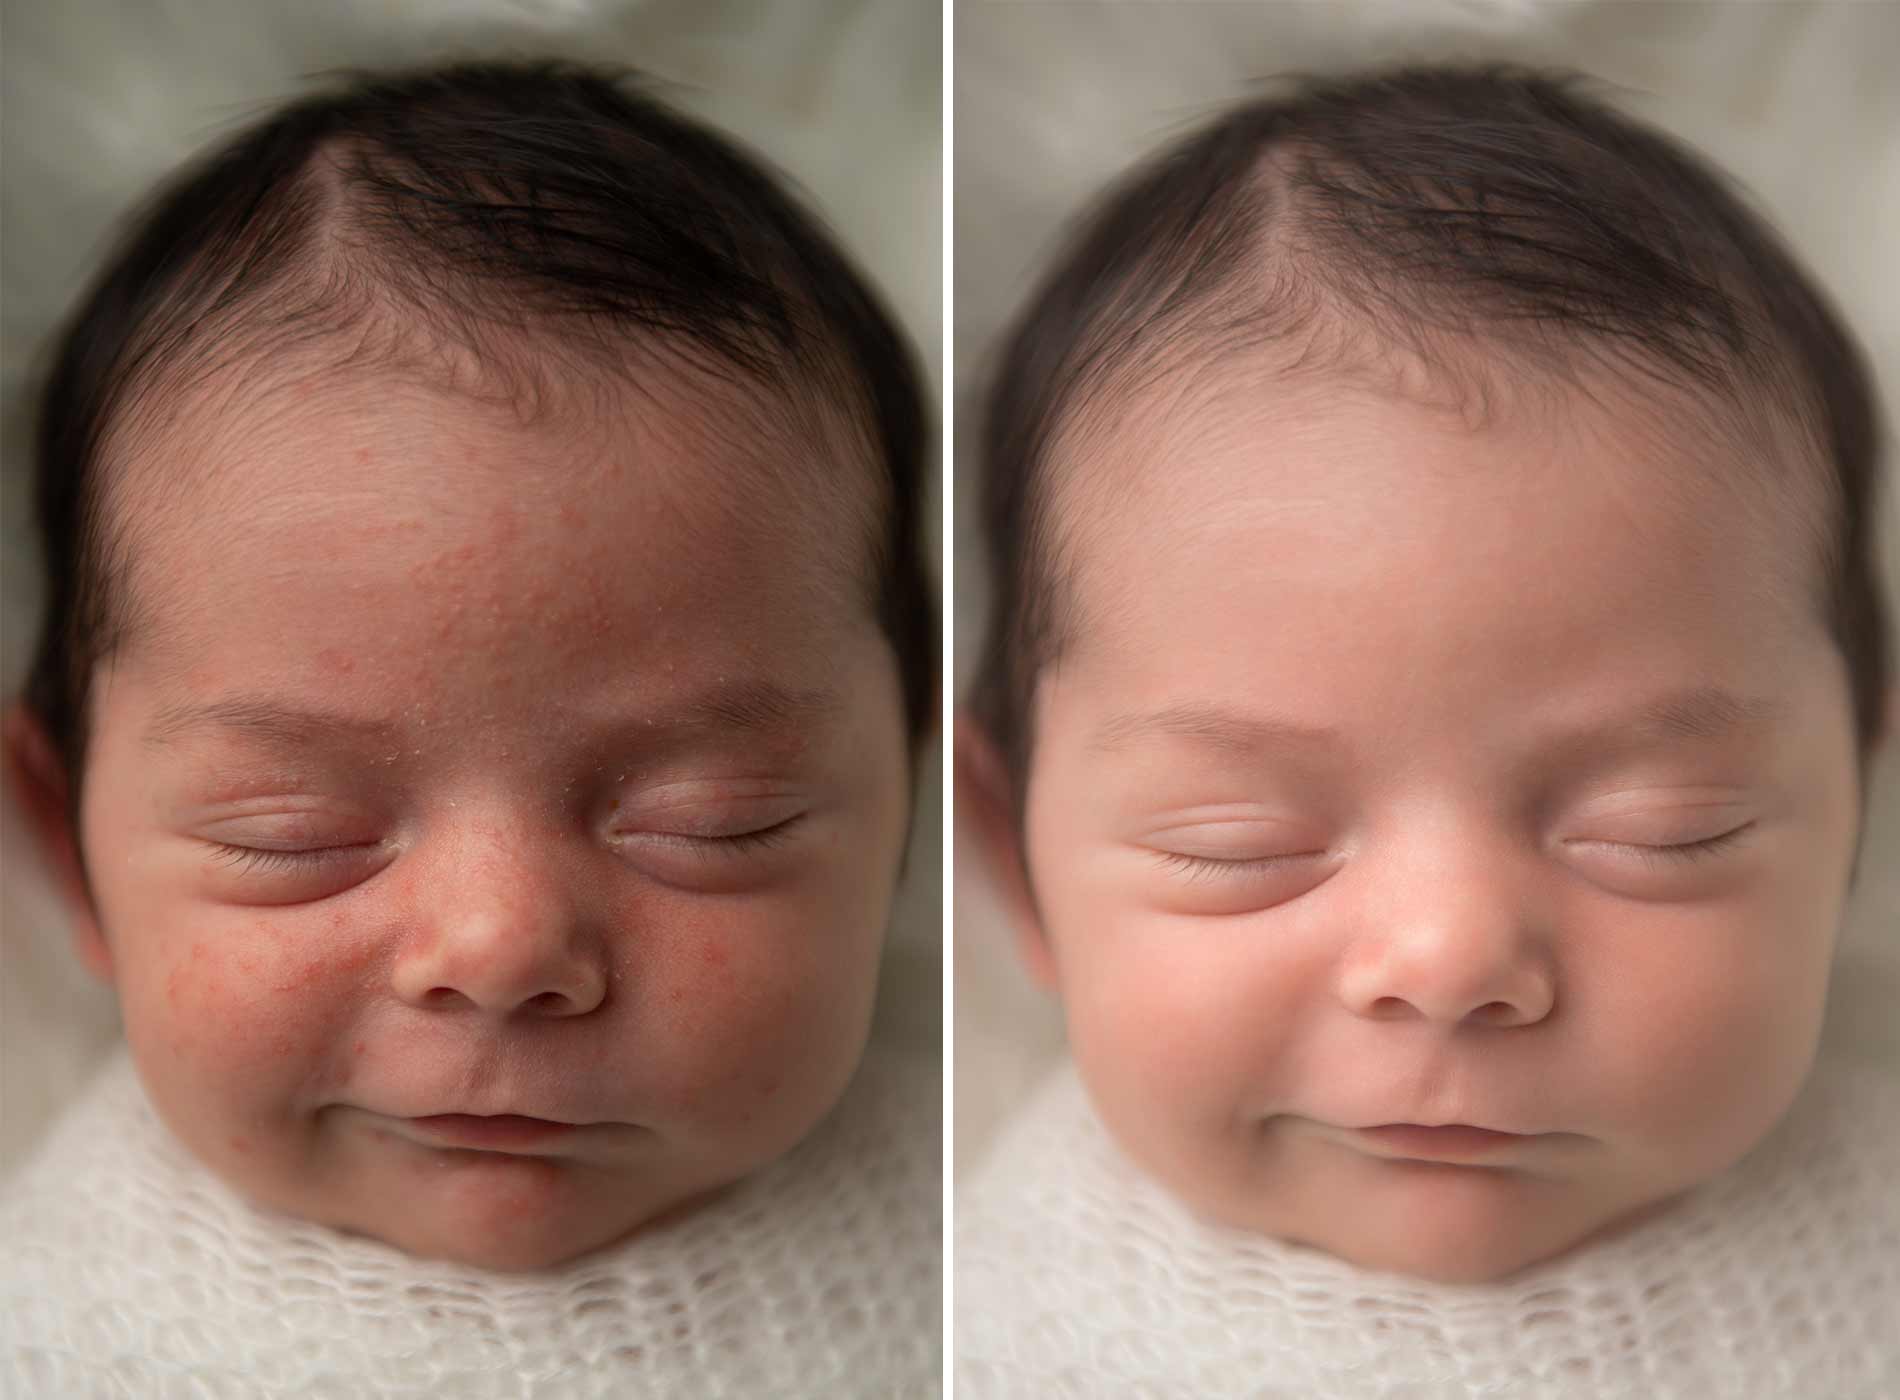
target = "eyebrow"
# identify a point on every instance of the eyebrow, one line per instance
(1212, 726)
(755, 705)
(261, 718)
(1697, 713)
(747, 705)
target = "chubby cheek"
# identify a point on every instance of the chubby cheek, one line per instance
(1705, 1024)
(759, 1010)
(235, 1020)
(1178, 1020)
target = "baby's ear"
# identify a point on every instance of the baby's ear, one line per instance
(36, 776)
(985, 800)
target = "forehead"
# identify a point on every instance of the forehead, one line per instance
(1344, 545)
(333, 517)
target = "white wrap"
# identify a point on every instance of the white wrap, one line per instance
(1779, 1280)
(126, 1269)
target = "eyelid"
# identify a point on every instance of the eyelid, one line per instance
(1665, 802)
(1253, 828)
(282, 820)
(284, 857)
(1214, 867)
(708, 810)
(1673, 850)
(726, 842)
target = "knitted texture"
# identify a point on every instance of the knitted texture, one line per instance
(129, 1270)
(1076, 1276)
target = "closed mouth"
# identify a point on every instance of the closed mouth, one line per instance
(498, 1131)
(1450, 1142)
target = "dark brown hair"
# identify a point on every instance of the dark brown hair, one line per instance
(542, 197)
(1492, 201)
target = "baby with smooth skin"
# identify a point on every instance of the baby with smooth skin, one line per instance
(1437, 660)
(489, 646)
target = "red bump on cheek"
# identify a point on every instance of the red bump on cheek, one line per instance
(239, 1143)
(334, 660)
(302, 978)
(714, 954)
(358, 1047)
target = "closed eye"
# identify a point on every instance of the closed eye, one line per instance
(1681, 851)
(727, 844)
(266, 858)
(1216, 867)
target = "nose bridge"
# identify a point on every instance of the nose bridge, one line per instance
(1458, 935)
(505, 924)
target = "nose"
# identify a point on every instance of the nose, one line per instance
(502, 930)
(1468, 953)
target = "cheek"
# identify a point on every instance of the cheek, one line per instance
(1704, 1023)
(760, 1010)
(1192, 1018)
(239, 994)
(232, 1018)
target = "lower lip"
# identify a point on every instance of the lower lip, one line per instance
(1448, 1143)
(503, 1131)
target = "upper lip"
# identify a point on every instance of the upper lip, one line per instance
(495, 1132)
(1474, 1126)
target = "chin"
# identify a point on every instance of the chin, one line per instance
(510, 1252)
(1462, 1250)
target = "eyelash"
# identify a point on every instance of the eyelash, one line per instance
(259, 859)
(739, 841)
(1683, 851)
(1212, 868)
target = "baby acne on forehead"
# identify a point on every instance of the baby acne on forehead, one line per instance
(427, 528)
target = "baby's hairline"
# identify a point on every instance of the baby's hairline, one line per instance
(1418, 202)
(1480, 390)
(134, 625)
(1660, 406)
(407, 208)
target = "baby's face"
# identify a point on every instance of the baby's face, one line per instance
(458, 769)
(1399, 774)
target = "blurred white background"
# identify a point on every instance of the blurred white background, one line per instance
(103, 97)
(1798, 101)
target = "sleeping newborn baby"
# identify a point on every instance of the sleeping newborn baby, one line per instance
(488, 650)
(1436, 663)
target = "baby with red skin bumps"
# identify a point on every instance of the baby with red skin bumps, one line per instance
(488, 650)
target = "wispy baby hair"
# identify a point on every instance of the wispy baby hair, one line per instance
(1423, 207)
(544, 220)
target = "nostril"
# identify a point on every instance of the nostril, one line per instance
(548, 1001)
(1390, 1006)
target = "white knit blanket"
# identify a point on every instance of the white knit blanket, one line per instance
(1779, 1280)
(128, 1270)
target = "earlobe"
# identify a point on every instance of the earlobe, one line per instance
(36, 776)
(985, 800)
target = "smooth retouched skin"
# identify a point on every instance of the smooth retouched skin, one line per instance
(1454, 909)
(461, 768)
